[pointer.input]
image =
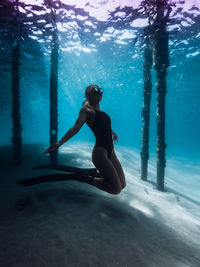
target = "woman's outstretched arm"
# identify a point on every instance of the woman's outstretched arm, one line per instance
(71, 132)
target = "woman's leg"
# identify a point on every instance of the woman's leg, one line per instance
(110, 181)
(118, 168)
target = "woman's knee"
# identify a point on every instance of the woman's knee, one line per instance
(117, 187)
(116, 190)
(123, 184)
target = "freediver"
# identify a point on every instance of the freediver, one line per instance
(108, 175)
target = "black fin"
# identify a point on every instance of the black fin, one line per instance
(55, 177)
(66, 168)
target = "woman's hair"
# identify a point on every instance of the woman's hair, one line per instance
(88, 92)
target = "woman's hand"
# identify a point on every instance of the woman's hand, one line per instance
(52, 148)
(115, 137)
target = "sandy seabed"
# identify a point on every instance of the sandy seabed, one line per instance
(73, 224)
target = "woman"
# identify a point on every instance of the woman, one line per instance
(111, 176)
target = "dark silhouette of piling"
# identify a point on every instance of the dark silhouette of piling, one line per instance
(15, 87)
(54, 96)
(161, 63)
(147, 89)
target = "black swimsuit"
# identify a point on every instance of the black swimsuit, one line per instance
(101, 127)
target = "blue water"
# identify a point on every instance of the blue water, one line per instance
(100, 42)
(103, 52)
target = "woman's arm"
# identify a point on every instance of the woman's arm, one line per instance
(71, 132)
(113, 132)
(115, 137)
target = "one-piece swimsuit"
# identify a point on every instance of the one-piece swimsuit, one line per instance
(101, 127)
